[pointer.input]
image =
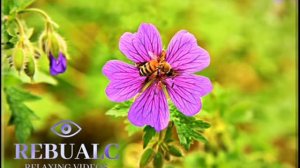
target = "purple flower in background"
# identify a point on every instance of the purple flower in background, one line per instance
(57, 65)
(156, 73)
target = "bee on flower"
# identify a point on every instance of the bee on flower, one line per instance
(158, 74)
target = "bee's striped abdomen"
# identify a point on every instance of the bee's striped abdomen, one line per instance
(148, 68)
(145, 70)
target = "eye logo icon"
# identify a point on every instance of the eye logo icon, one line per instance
(64, 128)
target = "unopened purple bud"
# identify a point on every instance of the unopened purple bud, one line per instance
(57, 65)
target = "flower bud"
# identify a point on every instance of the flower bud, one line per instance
(51, 42)
(18, 58)
(22, 57)
(55, 47)
(57, 65)
(30, 67)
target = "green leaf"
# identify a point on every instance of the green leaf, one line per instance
(8, 6)
(12, 6)
(119, 110)
(22, 4)
(165, 150)
(10, 36)
(201, 124)
(147, 157)
(13, 40)
(168, 135)
(16, 95)
(199, 137)
(188, 128)
(174, 151)
(29, 32)
(21, 115)
(149, 133)
(158, 160)
(11, 29)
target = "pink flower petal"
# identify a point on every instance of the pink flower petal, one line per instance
(185, 91)
(184, 54)
(150, 108)
(140, 47)
(125, 80)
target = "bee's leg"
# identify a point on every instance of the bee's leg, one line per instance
(158, 73)
(152, 76)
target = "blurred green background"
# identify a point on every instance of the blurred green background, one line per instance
(252, 110)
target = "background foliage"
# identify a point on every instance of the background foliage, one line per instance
(252, 110)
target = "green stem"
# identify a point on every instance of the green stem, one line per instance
(44, 14)
(161, 135)
(160, 141)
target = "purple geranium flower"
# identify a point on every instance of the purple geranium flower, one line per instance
(183, 87)
(57, 65)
